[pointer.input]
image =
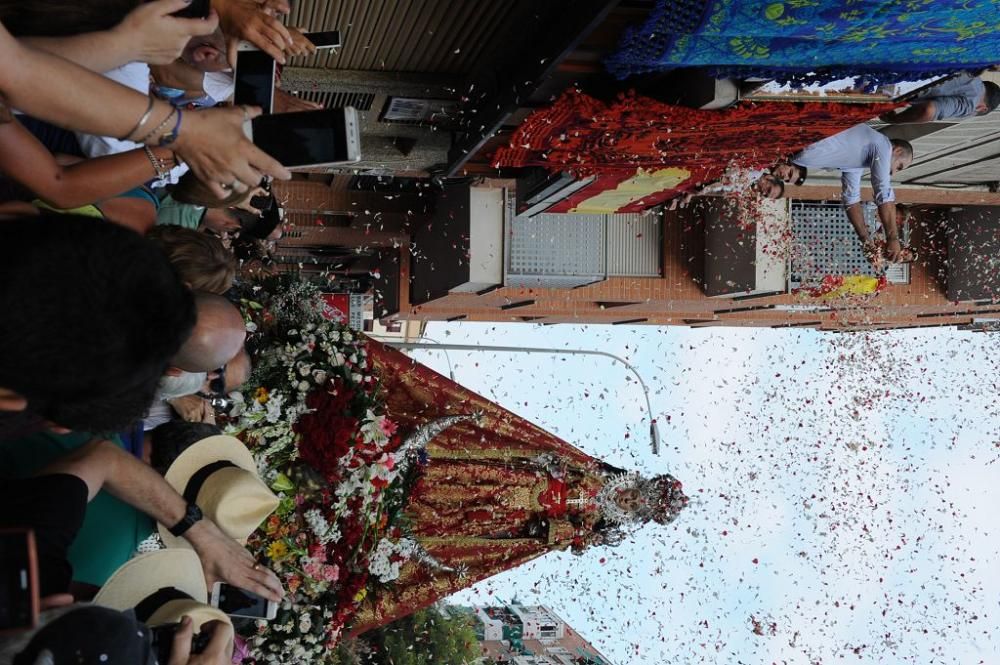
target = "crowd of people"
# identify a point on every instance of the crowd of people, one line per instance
(125, 181)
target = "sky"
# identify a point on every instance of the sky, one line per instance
(843, 489)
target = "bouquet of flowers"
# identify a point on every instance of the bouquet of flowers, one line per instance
(314, 418)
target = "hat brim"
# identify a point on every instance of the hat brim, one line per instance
(218, 448)
(175, 610)
(146, 574)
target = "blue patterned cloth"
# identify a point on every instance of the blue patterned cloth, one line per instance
(814, 40)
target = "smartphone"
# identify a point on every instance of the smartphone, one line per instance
(254, 79)
(309, 138)
(197, 9)
(18, 580)
(162, 638)
(323, 40)
(242, 603)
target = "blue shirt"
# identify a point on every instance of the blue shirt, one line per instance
(955, 98)
(852, 152)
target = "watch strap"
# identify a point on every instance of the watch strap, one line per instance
(191, 517)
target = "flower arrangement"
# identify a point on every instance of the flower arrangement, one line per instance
(314, 418)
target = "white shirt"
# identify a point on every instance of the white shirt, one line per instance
(134, 75)
(852, 152)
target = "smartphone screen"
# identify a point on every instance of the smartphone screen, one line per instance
(324, 39)
(242, 603)
(18, 580)
(309, 138)
(197, 9)
(254, 79)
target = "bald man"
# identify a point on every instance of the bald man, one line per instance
(218, 335)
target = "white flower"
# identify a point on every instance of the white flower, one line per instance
(274, 404)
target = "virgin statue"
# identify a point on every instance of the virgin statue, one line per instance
(496, 491)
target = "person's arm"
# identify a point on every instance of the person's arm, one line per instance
(148, 34)
(893, 246)
(24, 159)
(918, 112)
(103, 465)
(850, 182)
(881, 174)
(211, 141)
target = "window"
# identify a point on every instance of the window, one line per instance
(824, 243)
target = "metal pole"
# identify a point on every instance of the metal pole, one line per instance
(654, 431)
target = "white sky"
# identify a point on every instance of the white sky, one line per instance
(860, 471)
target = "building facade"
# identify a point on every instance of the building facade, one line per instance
(529, 635)
(427, 228)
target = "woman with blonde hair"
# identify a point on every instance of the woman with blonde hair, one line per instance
(201, 260)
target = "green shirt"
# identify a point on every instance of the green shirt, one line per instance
(174, 213)
(111, 529)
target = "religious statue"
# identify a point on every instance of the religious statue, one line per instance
(496, 491)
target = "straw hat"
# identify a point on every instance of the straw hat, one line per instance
(162, 587)
(219, 475)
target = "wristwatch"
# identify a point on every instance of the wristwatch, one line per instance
(191, 517)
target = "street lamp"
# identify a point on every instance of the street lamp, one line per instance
(654, 431)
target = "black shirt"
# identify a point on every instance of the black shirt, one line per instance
(54, 506)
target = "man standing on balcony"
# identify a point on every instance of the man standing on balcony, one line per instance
(852, 152)
(956, 98)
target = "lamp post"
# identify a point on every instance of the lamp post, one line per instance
(654, 431)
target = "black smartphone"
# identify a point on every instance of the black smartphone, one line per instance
(322, 40)
(308, 138)
(163, 641)
(242, 603)
(18, 580)
(262, 203)
(254, 79)
(197, 9)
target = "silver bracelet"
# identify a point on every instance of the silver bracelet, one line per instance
(159, 127)
(159, 165)
(142, 120)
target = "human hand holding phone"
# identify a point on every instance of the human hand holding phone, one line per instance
(213, 144)
(217, 651)
(247, 20)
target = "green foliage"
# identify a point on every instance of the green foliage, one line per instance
(427, 637)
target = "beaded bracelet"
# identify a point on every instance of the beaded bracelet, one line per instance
(142, 120)
(168, 139)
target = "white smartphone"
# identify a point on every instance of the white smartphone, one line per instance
(322, 40)
(309, 138)
(242, 603)
(254, 77)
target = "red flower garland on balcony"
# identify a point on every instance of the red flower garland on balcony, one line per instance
(586, 136)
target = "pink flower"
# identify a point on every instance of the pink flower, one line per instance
(388, 427)
(241, 650)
